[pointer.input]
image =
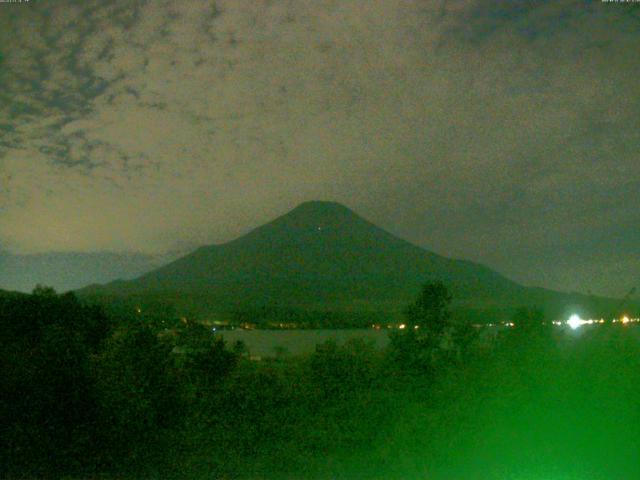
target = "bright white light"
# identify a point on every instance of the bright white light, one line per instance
(575, 321)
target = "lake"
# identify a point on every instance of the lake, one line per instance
(266, 343)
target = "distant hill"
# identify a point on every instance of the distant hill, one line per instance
(9, 294)
(71, 270)
(323, 256)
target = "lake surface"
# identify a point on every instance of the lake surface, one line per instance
(266, 343)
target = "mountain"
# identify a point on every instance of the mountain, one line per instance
(320, 256)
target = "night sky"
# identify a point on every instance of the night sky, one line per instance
(501, 132)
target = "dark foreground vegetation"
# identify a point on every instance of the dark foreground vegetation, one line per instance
(89, 395)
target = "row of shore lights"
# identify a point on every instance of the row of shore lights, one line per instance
(574, 322)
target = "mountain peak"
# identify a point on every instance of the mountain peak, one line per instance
(321, 207)
(317, 215)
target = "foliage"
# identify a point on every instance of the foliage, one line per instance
(47, 401)
(430, 338)
(86, 394)
(430, 311)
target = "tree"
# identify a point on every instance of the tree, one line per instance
(137, 398)
(48, 408)
(44, 291)
(428, 330)
(240, 348)
(430, 311)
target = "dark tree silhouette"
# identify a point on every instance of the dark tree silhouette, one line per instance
(430, 311)
(47, 405)
(428, 331)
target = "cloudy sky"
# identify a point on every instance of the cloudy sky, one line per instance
(501, 132)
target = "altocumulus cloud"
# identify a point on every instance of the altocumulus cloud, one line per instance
(501, 132)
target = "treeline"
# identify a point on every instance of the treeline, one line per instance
(84, 394)
(278, 317)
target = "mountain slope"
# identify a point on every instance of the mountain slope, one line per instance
(321, 255)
